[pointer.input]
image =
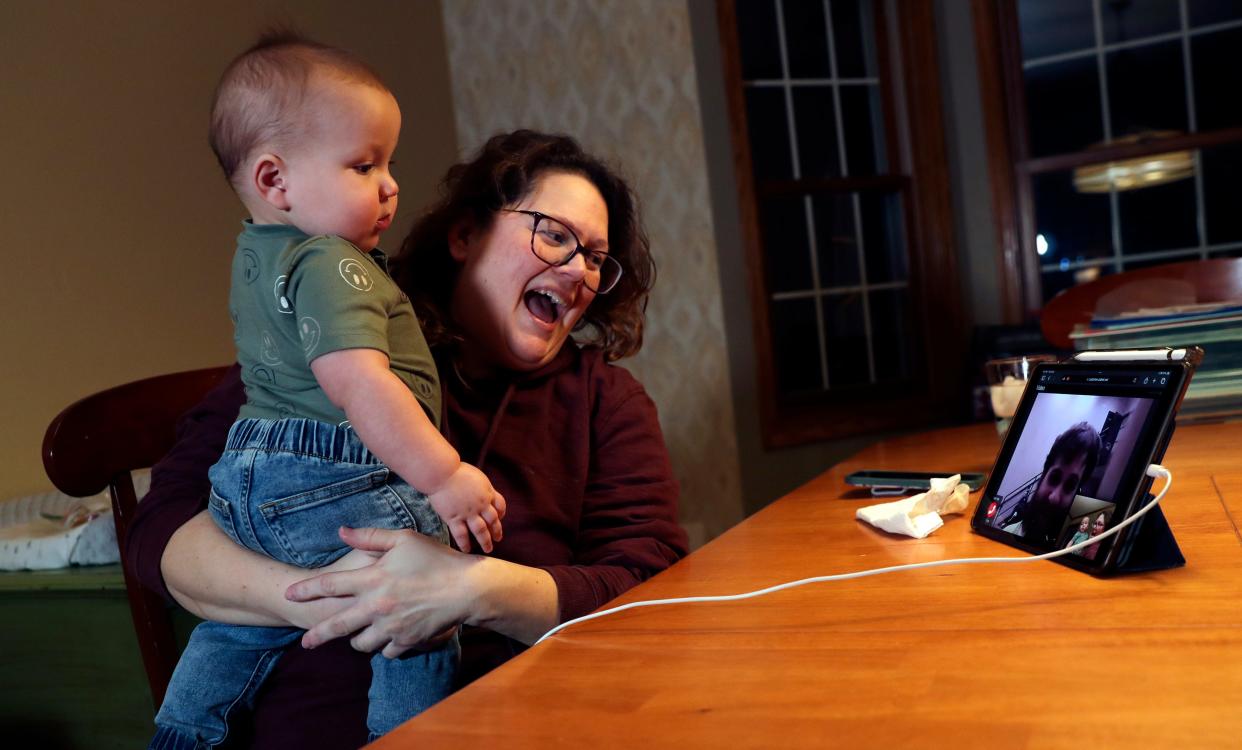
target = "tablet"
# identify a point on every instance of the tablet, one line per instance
(1074, 461)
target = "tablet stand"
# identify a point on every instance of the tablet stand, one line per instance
(1150, 545)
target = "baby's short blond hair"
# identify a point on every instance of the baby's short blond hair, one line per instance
(262, 95)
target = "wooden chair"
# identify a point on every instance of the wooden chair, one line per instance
(96, 443)
(1195, 281)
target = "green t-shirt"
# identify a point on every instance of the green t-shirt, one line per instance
(294, 298)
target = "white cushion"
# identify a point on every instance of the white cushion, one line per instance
(46, 531)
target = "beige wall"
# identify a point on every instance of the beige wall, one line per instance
(117, 225)
(621, 78)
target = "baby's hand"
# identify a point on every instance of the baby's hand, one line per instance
(468, 504)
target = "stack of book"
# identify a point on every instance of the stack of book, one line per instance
(1216, 390)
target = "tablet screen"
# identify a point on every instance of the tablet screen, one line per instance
(1076, 453)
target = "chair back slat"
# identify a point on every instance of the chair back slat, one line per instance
(121, 429)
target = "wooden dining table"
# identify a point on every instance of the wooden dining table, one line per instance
(1034, 655)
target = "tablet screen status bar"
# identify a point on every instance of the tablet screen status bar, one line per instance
(1131, 379)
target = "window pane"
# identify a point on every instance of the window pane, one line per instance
(1218, 79)
(1161, 217)
(806, 38)
(817, 131)
(1063, 106)
(863, 119)
(1222, 196)
(1146, 86)
(847, 340)
(853, 28)
(757, 37)
(1135, 19)
(795, 346)
(782, 220)
(1075, 225)
(892, 332)
(769, 133)
(1204, 12)
(1050, 27)
(834, 236)
(883, 238)
(1147, 89)
(1233, 252)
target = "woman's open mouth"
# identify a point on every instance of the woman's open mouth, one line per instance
(545, 305)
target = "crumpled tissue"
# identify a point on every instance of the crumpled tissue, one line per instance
(920, 515)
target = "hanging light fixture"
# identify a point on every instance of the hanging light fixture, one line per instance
(1138, 172)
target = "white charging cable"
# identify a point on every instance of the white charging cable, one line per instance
(1153, 470)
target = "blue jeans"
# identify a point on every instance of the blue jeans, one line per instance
(283, 488)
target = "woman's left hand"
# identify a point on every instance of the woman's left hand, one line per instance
(414, 594)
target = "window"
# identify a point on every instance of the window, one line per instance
(854, 280)
(1119, 128)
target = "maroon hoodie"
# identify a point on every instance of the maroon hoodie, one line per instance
(576, 450)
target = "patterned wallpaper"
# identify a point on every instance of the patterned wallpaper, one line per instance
(619, 76)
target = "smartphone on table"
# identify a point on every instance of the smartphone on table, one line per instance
(907, 482)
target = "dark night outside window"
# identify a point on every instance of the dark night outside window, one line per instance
(836, 258)
(1097, 72)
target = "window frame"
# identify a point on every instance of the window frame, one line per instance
(919, 174)
(1011, 169)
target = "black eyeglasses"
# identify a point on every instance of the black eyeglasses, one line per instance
(556, 244)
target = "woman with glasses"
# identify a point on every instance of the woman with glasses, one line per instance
(532, 240)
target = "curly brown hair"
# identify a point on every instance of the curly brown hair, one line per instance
(499, 175)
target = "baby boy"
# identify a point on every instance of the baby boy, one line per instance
(340, 425)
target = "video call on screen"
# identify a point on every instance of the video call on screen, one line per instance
(1052, 494)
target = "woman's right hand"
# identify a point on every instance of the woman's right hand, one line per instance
(411, 596)
(308, 614)
(418, 590)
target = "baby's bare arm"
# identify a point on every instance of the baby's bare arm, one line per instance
(386, 416)
(393, 425)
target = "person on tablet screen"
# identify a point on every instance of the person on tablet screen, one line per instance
(1071, 459)
(1082, 535)
(1097, 528)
